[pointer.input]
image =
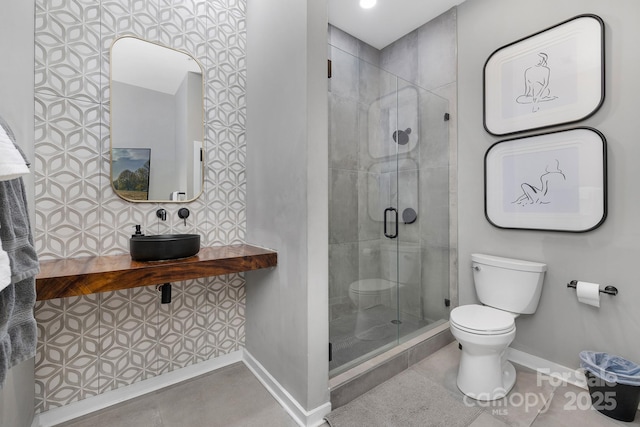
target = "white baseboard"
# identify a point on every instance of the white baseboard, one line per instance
(546, 367)
(84, 407)
(303, 417)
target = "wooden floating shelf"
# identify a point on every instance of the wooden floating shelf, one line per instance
(83, 276)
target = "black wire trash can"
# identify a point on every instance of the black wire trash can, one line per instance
(614, 384)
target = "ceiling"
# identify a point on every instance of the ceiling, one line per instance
(379, 26)
(386, 22)
(149, 65)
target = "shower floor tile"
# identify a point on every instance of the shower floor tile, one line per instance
(378, 329)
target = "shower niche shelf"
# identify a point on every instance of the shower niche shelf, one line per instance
(89, 275)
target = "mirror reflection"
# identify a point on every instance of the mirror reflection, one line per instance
(157, 128)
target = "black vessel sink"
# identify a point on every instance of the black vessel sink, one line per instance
(163, 246)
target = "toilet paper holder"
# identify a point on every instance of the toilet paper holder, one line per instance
(610, 290)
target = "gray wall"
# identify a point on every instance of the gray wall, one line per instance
(561, 327)
(287, 193)
(181, 149)
(151, 127)
(16, 107)
(188, 119)
(193, 125)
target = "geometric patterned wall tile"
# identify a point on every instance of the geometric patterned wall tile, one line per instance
(67, 49)
(68, 349)
(129, 338)
(182, 327)
(183, 25)
(227, 318)
(137, 17)
(124, 17)
(67, 177)
(92, 344)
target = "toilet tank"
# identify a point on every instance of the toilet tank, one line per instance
(508, 284)
(401, 261)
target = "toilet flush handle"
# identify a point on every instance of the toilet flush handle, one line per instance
(475, 268)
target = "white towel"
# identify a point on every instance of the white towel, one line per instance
(5, 269)
(12, 164)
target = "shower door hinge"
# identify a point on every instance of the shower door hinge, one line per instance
(446, 117)
(447, 302)
(330, 352)
(328, 68)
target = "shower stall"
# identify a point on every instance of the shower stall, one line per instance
(388, 210)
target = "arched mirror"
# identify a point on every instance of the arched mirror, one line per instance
(157, 130)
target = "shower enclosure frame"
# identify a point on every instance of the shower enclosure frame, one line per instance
(356, 86)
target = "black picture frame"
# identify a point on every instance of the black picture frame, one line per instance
(555, 181)
(555, 76)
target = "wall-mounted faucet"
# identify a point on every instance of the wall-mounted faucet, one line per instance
(183, 213)
(162, 214)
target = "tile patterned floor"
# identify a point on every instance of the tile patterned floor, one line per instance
(232, 396)
(535, 401)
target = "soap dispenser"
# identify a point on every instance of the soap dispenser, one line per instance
(138, 231)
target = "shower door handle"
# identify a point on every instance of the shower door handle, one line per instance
(395, 211)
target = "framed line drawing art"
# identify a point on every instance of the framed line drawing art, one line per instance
(553, 77)
(555, 181)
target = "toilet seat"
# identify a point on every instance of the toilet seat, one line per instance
(482, 320)
(370, 286)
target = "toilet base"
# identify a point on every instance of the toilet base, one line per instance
(485, 378)
(485, 373)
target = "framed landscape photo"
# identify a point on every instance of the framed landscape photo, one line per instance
(553, 77)
(555, 181)
(130, 169)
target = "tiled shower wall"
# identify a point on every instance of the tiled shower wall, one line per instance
(92, 344)
(426, 58)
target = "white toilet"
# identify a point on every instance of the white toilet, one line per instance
(399, 267)
(507, 288)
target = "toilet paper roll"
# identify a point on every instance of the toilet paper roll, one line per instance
(588, 293)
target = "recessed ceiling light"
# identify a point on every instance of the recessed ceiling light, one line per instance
(367, 4)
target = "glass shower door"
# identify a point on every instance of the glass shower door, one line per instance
(363, 211)
(377, 287)
(388, 210)
(423, 205)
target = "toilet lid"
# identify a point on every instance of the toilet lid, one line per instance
(365, 286)
(480, 319)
